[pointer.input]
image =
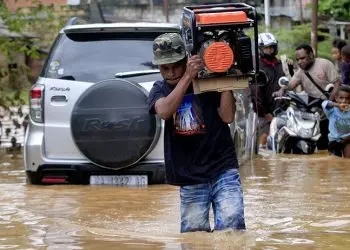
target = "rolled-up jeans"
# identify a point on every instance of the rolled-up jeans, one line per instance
(225, 195)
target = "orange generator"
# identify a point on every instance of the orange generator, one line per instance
(217, 33)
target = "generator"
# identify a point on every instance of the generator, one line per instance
(217, 33)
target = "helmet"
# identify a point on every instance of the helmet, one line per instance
(267, 39)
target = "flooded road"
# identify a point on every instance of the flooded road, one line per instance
(291, 202)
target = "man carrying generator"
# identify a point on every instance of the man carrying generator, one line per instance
(198, 149)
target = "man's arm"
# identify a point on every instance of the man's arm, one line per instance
(165, 107)
(227, 107)
(335, 89)
(294, 82)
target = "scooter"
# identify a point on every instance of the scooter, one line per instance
(295, 127)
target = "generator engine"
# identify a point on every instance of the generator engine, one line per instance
(217, 33)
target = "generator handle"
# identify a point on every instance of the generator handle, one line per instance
(209, 8)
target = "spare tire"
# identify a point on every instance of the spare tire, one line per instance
(111, 125)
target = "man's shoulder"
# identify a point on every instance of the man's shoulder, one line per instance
(298, 73)
(323, 61)
(159, 83)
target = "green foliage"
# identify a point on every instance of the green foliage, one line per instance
(324, 49)
(26, 29)
(290, 39)
(339, 9)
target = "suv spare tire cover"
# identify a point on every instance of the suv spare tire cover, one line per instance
(111, 124)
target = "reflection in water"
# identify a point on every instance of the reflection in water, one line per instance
(291, 202)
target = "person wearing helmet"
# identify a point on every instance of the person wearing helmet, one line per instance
(263, 100)
(199, 152)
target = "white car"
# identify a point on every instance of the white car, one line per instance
(89, 119)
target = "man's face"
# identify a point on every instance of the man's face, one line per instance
(268, 50)
(343, 97)
(304, 59)
(173, 72)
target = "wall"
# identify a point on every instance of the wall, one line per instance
(13, 5)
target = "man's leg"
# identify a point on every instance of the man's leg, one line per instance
(322, 143)
(263, 131)
(195, 206)
(347, 149)
(228, 201)
(336, 148)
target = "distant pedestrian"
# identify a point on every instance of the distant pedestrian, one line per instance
(337, 46)
(345, 53)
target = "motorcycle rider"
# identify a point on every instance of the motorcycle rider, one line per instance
(314, 74)
(263, 101)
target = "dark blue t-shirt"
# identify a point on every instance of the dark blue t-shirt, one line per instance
(197, 144)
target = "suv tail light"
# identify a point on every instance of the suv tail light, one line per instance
(37, 103)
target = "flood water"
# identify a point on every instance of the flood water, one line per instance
(291, 202)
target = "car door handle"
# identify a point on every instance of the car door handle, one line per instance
(59, 99)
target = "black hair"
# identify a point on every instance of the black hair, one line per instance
(339, 43)
(305, 47)
(345, 51)
(344, 88)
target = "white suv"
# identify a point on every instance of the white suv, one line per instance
(89, 120)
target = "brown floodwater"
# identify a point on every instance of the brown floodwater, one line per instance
(291, 202)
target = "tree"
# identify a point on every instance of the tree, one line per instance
(16, 43)
(339, 10)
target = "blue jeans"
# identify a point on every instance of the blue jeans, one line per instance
(224, 193)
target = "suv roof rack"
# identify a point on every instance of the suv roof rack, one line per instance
(75, 21)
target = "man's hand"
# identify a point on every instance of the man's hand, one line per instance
(268, 117)
(194, 65)
(290, 62)
(278, 93)
(335, 90)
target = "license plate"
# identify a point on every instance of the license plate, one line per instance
(119, 180)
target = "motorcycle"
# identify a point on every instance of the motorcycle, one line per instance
(295, 127)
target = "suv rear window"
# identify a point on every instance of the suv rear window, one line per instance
(92, 57)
